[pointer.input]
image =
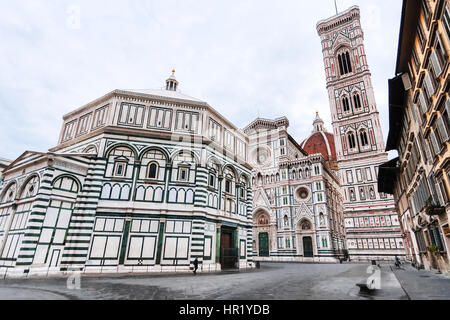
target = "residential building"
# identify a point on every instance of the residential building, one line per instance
(419, 109)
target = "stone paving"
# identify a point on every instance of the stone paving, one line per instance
(274, 281)
(423, 285)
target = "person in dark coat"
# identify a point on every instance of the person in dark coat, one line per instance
(397, 262)
(195, 266)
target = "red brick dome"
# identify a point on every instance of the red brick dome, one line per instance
(320, 141)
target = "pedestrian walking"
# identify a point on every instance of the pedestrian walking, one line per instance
(397, 262)
(195, 266)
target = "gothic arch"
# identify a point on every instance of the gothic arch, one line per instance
(344, 59)
(259, 212)
(305, 225)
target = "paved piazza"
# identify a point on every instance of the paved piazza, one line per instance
(274, 281)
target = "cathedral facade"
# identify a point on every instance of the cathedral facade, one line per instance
(371, 220)
(140, 181)
(297, 204)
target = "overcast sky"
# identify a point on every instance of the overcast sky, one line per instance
(245, 58)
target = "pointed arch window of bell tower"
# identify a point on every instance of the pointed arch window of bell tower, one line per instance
(345, 65)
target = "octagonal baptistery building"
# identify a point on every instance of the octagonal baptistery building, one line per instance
(140, 181)
(298, 213)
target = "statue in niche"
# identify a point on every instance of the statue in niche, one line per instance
(322, 220)
(286, 221)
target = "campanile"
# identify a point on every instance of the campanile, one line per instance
(372, 225)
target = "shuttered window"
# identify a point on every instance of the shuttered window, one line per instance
(429, 87)
(446, 21)
(435, 143)
(423, 102)
(442, 130)
(437, 68)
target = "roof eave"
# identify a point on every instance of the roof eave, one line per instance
(410, 15)
(396, 112)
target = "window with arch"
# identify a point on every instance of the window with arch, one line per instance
(230, 180)
(345, 65)
(212, 179)
(66, 184)
(351, 140)
(243, 192)
(9, 194)
(214, 169)
(364, 139)
(153, 165)
(357, 101)
(243, 188)
(120, 162)
(31, 188)
(346, 104)
(228, 185)
(152, 171)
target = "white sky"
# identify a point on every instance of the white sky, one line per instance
(245, 58)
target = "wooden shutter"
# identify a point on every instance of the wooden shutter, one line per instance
(439, 193)
(435, 143)
(442, 130)
(429, 84)
(436, 65)
(447, 107)
(423, 102)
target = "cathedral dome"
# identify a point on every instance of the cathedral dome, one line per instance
(320, 141)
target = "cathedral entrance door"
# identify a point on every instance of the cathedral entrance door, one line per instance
(307, 247)
(264, 244)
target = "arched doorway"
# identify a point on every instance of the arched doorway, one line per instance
(262, 228)
(308, 247)
(305, 236)
(263, 244)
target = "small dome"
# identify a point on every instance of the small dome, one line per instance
(320, 141)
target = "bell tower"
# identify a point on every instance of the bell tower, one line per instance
(359, 139)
